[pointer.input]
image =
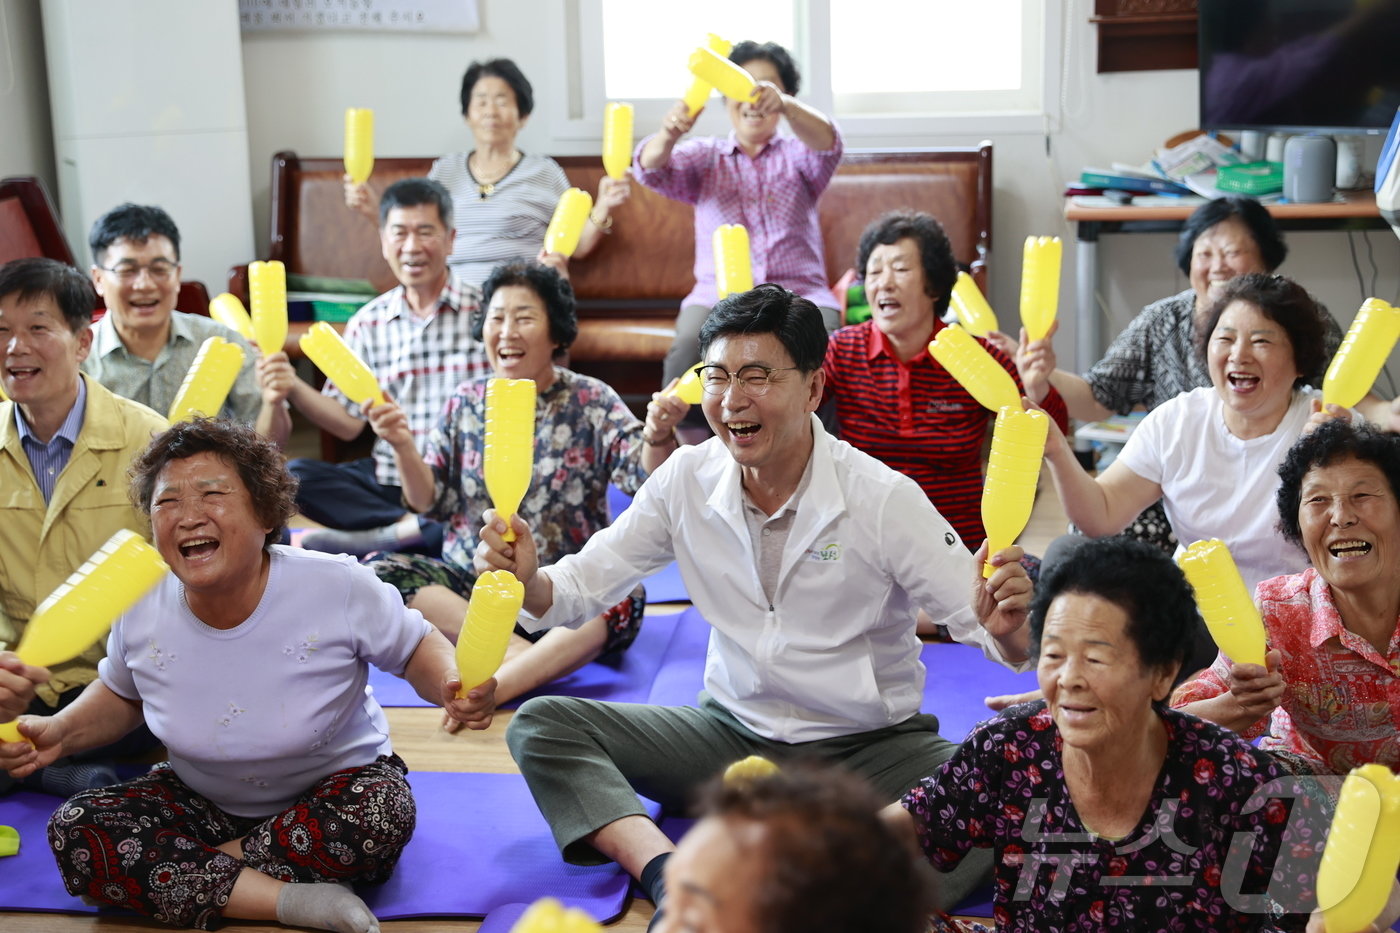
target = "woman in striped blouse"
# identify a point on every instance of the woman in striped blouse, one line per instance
(893, 400)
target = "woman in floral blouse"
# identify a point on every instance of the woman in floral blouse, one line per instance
(1106, 809)
(585, 438)
(1329, 699)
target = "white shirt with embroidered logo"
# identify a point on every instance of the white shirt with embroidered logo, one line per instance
(836, 652)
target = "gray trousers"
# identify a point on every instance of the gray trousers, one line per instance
(586, 761)
(685, 349)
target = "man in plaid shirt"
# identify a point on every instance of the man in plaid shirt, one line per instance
(417, 339)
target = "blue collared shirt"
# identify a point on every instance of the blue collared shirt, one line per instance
(48, 460)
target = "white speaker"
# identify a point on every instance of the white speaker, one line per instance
(1309, 168)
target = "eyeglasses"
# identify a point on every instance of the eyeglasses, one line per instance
(161, 270)
(755, 380)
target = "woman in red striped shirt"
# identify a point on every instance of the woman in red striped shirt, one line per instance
(893, 400)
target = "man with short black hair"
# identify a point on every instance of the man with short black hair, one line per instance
(417, 340)
(65, 445)
(810, 561)
(143, 347)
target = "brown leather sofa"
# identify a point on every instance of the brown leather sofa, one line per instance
(631, 286)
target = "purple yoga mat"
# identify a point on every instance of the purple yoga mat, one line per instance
(625, 679)
(959, 678)
(503, 918)
(480, 844)
(682, 674)
(30, 879)
(664, 586)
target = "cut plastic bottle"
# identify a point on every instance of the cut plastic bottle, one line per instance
(566, 226)
(1013, 469)
(481, 646)
(333, 356)
(1363, 850)
(971, 307)
(975, 369)
(689, 388)
(1224, 601)
(699, 90)
(733, 261)
(267, 287)
(84, 606)
(1040, 284)
(1362, 353)
(229, 311)
(359, 143)
(617, 139)
(547, 915)
(509, 461)
(209, 380)
(723, 75)
(748, 769)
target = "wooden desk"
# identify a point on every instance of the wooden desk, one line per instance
(1356, 211)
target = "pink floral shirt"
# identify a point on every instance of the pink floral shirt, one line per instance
(1342, 705)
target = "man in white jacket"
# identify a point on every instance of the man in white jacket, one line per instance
(809, 559)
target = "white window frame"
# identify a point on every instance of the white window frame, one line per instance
(576, 118)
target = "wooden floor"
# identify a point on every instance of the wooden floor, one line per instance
(425, 747)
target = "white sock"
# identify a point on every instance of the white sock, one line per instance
(324, 906)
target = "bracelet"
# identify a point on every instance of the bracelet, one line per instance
(665, 442)
(605, 226)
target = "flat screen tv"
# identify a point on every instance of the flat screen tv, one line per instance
(1330, 66)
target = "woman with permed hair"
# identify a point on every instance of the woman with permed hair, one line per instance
(249, 662)
(1328, 697)
(585, 438)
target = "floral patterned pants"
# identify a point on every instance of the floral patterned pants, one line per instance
(149, 845)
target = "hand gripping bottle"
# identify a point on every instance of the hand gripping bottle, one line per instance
(547, 915)
(267, 287)
(975, 369)
(1363, 850)
(617, 139)
(359, 143)
(566, 226)
(207, 384)
(84, 607)
(749, 769)
(229, 311)
(1018, 447)
(1224, 601)
(722, 74)
(971, 307)
(481, 646)
(733, 264)
(333, 356)
(689, 388)
(509, 461)
(1363, 352)
(700, 89)
(1040, 285)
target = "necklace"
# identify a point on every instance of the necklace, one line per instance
(487, 188)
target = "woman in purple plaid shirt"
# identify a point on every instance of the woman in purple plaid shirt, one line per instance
(768, 183)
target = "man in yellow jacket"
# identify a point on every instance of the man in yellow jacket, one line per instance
(65, 445)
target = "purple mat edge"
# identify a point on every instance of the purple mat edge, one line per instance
(600, 890)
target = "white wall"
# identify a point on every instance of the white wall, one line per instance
(147, 105)
(26, 137)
